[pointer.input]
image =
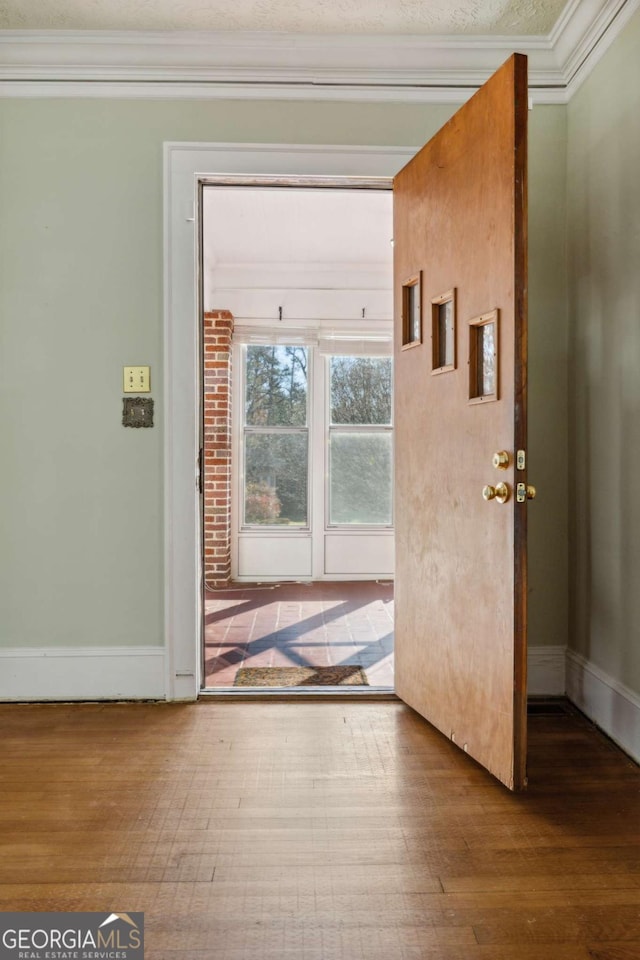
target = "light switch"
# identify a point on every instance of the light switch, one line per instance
(136, 380)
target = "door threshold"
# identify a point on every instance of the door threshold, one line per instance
(298, 693)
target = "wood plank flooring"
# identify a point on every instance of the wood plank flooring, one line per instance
(319, 831)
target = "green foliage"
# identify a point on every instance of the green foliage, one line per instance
(276, 386)
(261, 504)
(276, 460)
(276, 463)
(360, 461)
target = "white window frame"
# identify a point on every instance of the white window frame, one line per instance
(319, 427)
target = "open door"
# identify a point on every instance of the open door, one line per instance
(460, 247)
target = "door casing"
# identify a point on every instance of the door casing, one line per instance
(186, 166)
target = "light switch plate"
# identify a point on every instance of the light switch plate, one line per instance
(137, 412)
(136, 380)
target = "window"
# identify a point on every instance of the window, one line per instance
(360, 441)
(483, 357)
(276, 436)
(412, 311)
(443, 332)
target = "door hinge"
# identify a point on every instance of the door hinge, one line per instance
(200, 480)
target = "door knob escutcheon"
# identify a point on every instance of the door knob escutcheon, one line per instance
(500, 492)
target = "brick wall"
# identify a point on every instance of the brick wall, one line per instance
(218, 328)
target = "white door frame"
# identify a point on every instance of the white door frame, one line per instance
(184, 165)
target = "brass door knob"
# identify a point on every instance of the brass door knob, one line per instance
(500, 492)
(501, 460)
(531, 493)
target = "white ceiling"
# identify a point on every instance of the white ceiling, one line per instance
(315, 252)
(455, 17)
(248, 225)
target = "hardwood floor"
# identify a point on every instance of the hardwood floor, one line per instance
(319, 831)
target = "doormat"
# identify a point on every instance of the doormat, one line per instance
(343, 676)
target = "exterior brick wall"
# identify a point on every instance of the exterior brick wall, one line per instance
(218, 329)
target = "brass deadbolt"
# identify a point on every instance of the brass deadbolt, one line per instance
(525, 492)
(501, 460)
(500, 492)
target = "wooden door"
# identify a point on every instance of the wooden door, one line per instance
(460, 248)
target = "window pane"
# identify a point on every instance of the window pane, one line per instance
(360, 477)
(445, 334)
(487, 360)
(275, 489)
(361, 390)
(276, 386)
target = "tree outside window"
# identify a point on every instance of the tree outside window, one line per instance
(276, 436)
(360, 441)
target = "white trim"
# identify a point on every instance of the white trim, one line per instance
(235, 486)
(82, 673)
(610, 704)
(30, 90)
(580, 28)
(246, 57)
(256, 65)
(546, 671)
(586, 56)
(184, 163)
(264, 553)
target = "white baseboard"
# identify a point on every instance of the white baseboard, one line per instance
(610, 704)
(546, 671)
(138, 673)
(82, 673)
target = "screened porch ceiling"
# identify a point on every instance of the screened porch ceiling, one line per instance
(319, 254)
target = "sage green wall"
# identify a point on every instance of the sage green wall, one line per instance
(81, 295)
(604, 231)
(548, 401)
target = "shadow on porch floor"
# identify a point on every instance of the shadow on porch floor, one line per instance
(299, 624)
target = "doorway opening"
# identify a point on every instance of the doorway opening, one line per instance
(297, 434)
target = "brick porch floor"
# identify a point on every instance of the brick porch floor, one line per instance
(299, 624)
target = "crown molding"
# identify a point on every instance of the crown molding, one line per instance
(580, 28)
(587, 52)
(234, 65)
(254, 91)
(252, 58)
